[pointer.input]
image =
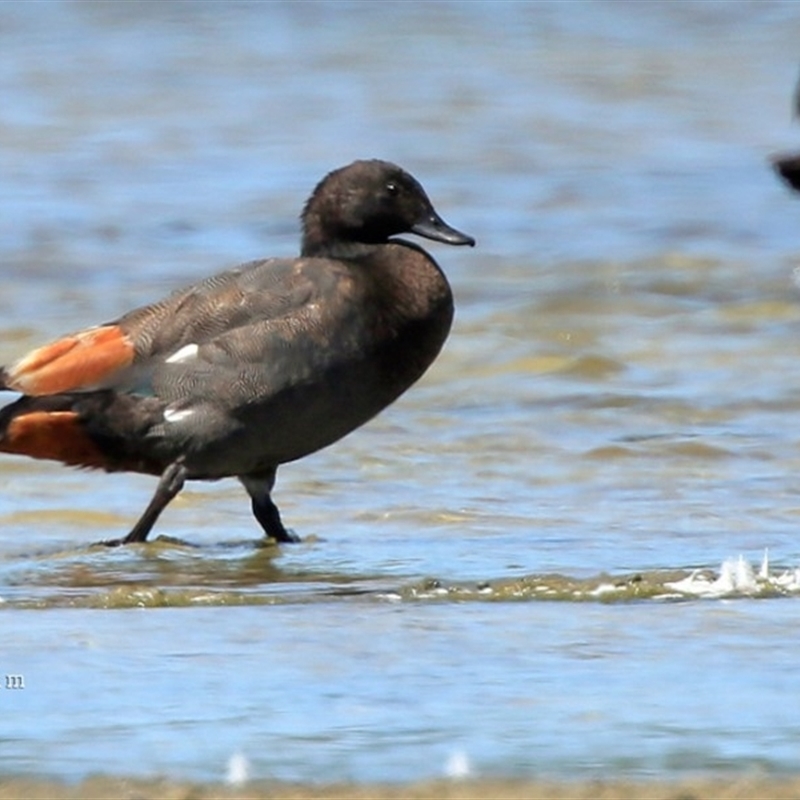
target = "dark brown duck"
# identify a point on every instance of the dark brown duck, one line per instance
(787, 165)
(254, 367)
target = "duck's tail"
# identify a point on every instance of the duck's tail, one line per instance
(48, 427)
(97, 430)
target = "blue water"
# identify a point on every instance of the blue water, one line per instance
(615, 406)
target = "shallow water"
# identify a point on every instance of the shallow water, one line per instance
(530, 565)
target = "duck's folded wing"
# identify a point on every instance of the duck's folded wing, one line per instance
(107, 355)
(257, 360)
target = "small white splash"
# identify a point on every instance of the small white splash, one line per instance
(763, 573)
(603, 589)
(789, 581)
(457, 767)
(238, 770)
(737, 577)
(186, 353)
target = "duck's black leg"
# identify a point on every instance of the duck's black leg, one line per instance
(170, 483)
(259, 487)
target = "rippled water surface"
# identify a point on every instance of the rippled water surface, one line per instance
(572, 549)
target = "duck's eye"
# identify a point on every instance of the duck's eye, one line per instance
(391, 188)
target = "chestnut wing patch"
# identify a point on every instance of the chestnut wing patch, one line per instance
(82, 360)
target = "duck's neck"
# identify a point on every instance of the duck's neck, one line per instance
(319, 243)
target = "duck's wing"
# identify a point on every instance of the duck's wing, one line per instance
(220, 308)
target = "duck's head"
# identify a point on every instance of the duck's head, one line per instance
(367, 202)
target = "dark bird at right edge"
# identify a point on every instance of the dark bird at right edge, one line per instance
(254, 367)
(788, 165)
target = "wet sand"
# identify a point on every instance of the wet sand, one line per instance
(734, 788)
